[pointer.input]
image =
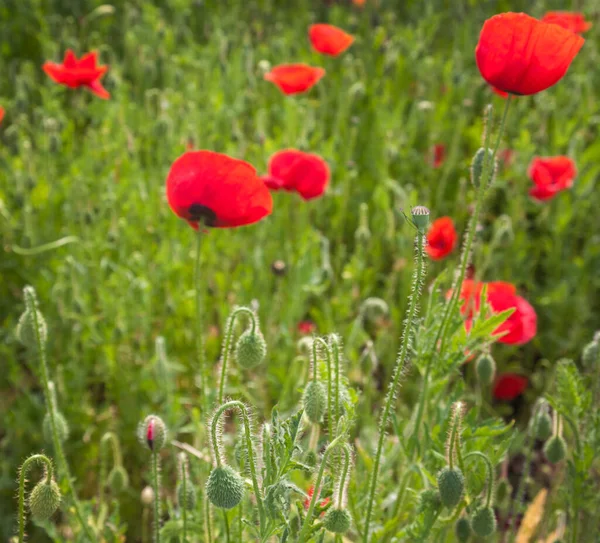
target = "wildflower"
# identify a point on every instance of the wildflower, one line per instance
(216, 190)
(1, 114)
(509, 385)
(570, 20)
(441, 238)
(74, 73)
(520, 327)
(438, 155)
(329, 39)
(359, 3)
(296, 171)
(550, 176)
(310, 492)
(294, 78)
(521, 55)
(307, 327)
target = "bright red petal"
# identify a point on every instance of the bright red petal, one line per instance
(441, 238)
(97, 88)
(305, 173)
(88, 60)
(70, 60)
(294, 78)
(573, 21)
(329, 39)
(510, 385)
(1, 114)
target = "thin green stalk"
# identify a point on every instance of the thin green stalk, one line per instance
(336, 358)
(117, 461)
(226, 525)
(490, 477)
(183, 506)
(22, 478)
(155, 484)
(208, 528)
(400, 363)
(327, 349)
(227, 346)
(31, 304)
(451, 443)
(199, 318)
(343, 476)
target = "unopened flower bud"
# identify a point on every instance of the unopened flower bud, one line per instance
(420, 218)
(118, 479)
(26, 329)
(337, 521)
(451, 484)
(44, 500)
(485, 368)
(314, 401)
(462, 529)
(542, 425)
(477, 166)
(187, 500)
(147, 496)
(62, 427)
(153, 433)
(251, 349)
(555, 449)
(483, 522)
(374, 308)
(429, 499)
(590, 353)
(225, 487)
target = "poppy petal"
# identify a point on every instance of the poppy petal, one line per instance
(509, 385)
(294, 78)
(329, 39)
(305, 173)
(97, 88)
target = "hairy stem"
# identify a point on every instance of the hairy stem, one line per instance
(36, 458)
(490, 475)
(201, 355)
(343, 476)
(156, 486)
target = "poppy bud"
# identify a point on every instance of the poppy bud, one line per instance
(118, 479)
(451, 484)
(363, 234)
(62, 427)
(590, 353)
(374, 308)
(251, 349)
(147, 496)
(44, 500)
(555, 449)
(310, 459)
(483, 522)
(462, 529)
(225, 487)
(477, 166)
(503, 490)
(153, 433)
(429, 499)
(26, 330)
(187, 500)
(420, 218)
(315, 401)
(486, 369)
(542, 425)
(337, 521)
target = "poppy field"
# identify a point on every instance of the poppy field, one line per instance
(321, 271)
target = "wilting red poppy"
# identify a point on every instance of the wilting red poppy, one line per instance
(329, 39)
(521, 55)
(550, 176)
(294, 78)
(573, 21)
(519, 328)
(438, 155)
(306, 327)
(508, 386)
(79, 73)
(441, 238)
(310, 492)
(216, 190)
(296, 171)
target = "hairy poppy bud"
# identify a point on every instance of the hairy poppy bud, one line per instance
(310, 458)
(420, 218)
(225, 487)
(477, 166)
(26, 329)
(374, 308)
(542, 425)
(62, 427)
(462, 529)
(503, 490)
(337, 521)
(555, 449)
(483, 522)
(590, 352)
(118, 479)
(153, 433)
(485, 368)
(44, 500)
(429, 499)
(187, 500)
(315, 401)
(451, 484)
(250, 349)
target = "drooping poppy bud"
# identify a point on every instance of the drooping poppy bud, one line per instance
(188, 499)
(451, 484)
(337, 521)
(542, 425)
(26, 333)
(483, 521)
(462, 529)
(555, 449)
(250, 349)
(44, 500)
(314, 401)
(62, 427)
(118, 480)
(477, 167)
(225, 487)
(485, 368)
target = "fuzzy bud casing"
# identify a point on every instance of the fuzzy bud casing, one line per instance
(44, 500)
(26, 330)
(225, 487)
(187, 500)
(483, 522)
(420, 218)
(555, 449)
(337, 521)
(542, 426)
(485, 367)
(462, 529)
(477, 166)
(250, 349)
(62, 427)
(590, 352)
(314, 401)
(451, 484)
(152, 432)
(118, 480)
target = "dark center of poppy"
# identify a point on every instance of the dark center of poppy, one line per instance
(203, 214)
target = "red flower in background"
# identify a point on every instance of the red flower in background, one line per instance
(438, 155)
(521, 55)
(508, 386)
(570, 20)
(307, 327)
(310, 492)
(74, 73)
(216, 190)
(550, 176)
(519, 328)
(506, 156)
(329, 39)
(294, 78)
(1, 114)
(296, 171)
(441, 238)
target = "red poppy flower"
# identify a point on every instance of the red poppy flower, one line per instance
(519, 328)
(294, 78)
(1, 113)
(359, 3)
(310, 492)
(500, 93)
(508, 386)
(438, 155)
(217, 190)
(441, 238)
(573, 21)
(521, 55)
(329, 39)
(306, 327)
(79, 73)
(296, 171)
(550, 176)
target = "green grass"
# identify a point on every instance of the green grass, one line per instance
(92, 173)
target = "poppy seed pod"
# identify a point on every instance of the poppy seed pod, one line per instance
(451, 484)
(62, 427)
(187, 500)
(44, 500)
(420, 218)
(542, 426)
(314, 401)
(153, 433)
(462, 529)
(118, 480)
(250, 349)
(225, 487)
(337, 521)
(26, 330)
(555, 449)
(485, 368)
(483, 522)
(477, 167)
